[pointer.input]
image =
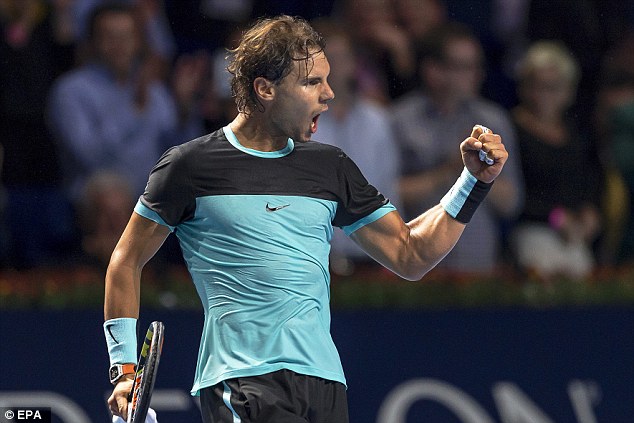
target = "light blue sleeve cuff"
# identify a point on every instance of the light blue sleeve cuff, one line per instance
(121, 340)
(143, 210)
(374, 216)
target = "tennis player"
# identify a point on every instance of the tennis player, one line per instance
(253, 206)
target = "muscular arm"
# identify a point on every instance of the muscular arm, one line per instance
(414, 248)
(410, 249)
(141, 239)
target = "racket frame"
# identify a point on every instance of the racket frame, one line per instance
(145, 376)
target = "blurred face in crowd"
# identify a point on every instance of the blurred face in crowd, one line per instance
(458, 76)
(463, 69)
(117, 41)
(369, 17)
(418, 17)
(546, 91)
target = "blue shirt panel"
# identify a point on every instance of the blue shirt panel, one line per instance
(260, 267)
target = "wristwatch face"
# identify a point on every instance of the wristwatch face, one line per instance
(115, 373)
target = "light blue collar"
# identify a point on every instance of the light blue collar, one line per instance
(264, 154)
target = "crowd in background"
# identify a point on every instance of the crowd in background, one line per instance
(92, 92)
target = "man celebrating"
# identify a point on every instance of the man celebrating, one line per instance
(253, 205)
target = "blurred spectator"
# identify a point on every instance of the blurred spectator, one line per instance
(34, 49)
(205, 24)
(115, 113)
(560, 219)
(361, 128)
(103, 212)
(622, 141)
(580, 28)
(614, 119)
(217, 104)
(153, 19)
(384, 47)
(431, 123)
(420, 17)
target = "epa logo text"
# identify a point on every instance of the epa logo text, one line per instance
(25, 415)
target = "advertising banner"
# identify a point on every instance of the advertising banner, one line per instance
(452, 366)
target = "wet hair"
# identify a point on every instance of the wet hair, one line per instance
(269, 49)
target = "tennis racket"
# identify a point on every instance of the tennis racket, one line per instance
(141, 393)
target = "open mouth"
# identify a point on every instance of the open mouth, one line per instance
(313, 125)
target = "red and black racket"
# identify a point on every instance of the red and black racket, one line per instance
(141, 393)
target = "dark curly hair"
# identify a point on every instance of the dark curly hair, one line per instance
(268, 49)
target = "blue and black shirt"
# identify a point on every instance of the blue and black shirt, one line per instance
(254, 228)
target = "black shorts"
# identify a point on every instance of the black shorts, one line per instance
(281, 397)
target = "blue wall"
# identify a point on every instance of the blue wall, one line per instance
(506, 365)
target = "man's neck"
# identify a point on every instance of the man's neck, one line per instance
(445, 105)
(252, 132)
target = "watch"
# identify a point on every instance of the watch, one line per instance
(117, 371)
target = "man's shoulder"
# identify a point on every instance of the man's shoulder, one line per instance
(81, 75)
(486, 106)
(198, 146)
(318, 148)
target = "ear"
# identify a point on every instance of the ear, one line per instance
(263, 88)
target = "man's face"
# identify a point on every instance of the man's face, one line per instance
(458, 76)
(117, 41)
(300, 98)
(462, 69)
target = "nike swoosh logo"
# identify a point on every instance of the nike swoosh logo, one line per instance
(113, 338)
(276, 208)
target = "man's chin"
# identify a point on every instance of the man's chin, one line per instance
(304, 138)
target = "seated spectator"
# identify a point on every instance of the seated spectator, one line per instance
(160, 44)
(446, 109)
(34, 51)
(615, 120)
(361, 128)
(560, 219)
(115, 113)
(622, 142)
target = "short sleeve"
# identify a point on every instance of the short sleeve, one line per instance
(169, 192)
(359, 198)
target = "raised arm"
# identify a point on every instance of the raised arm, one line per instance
(414, 248)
